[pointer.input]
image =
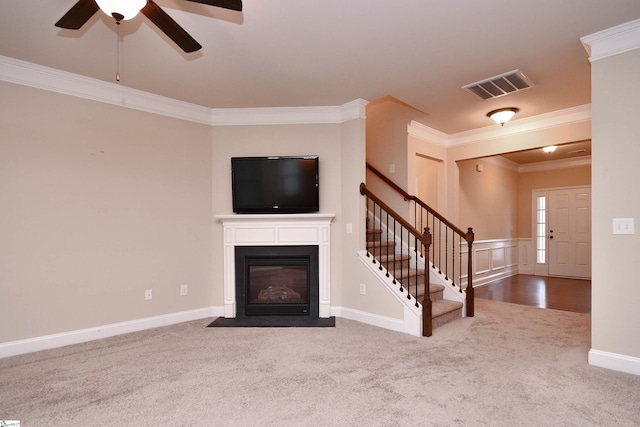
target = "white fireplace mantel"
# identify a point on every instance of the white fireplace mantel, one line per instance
(277, 230)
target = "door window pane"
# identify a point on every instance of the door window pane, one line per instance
(541, 229)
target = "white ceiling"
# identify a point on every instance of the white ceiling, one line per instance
(325, 53)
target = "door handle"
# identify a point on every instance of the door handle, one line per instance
(551, 237)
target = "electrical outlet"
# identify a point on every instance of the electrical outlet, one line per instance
(148, 294)
(363, 289)
(184, 290)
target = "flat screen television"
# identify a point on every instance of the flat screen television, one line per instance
(278, 184)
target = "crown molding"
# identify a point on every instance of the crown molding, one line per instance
(50, 79)
(612, 41)
(538, 166)
(502, 162)
(425, 133)
(53, 80)
(553, 119)
(555, 164)
(288, 115)
(40, 77)
(567, 116)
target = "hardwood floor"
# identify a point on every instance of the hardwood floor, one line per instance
(557, 293)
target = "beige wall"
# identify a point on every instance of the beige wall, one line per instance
(578, 131)
(427, 180)
(280, 140)
(387, 149)
(387, 121)
(496, 202)
(341, 150)
(540, 180)
(98, 203)
(488, 199)
(615, 194)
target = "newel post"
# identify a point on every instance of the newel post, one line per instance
(427, 310)
(470, 292)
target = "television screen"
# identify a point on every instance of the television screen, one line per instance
(275, 184)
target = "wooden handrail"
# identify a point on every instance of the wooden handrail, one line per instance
(425, 239)
(403, 222)
(466, 235)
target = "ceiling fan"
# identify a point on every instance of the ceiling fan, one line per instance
(83, 10)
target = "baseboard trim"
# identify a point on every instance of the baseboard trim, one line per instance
(614, 361)
(14, 348)
(369, 318)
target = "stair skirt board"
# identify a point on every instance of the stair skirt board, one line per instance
(443, 310)
(410, 324)
(451, 291)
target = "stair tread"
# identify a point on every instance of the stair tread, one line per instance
(381, 243)
(442, 307)
(442, 311)
(394, 257)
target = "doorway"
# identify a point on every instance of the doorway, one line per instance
(562, 232)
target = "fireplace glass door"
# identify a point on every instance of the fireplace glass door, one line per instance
(278, 287)
(280, 280)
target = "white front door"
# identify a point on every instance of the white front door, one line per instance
(569, 232)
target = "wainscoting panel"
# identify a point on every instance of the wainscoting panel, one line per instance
(494, 259)
(482, 261)
(498, 258)
(526, 252)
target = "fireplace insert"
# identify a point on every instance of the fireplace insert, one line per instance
(277, 281)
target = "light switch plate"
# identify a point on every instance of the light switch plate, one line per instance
(623, 226)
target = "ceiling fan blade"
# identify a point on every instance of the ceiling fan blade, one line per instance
(80, 13)
(227, 4)
(170, 27)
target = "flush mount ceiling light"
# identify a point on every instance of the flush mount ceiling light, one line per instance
(123, 9)
(549, 149)
(502, 115)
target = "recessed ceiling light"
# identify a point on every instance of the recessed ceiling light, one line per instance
(549, 149)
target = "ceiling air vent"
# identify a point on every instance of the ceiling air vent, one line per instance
(500, 85)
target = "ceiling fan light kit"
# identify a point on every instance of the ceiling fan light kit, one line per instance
(126, 8)
(83, 10)
(502, 115)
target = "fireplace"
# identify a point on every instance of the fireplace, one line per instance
(277, 280)
(275, 245)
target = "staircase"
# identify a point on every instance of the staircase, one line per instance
(401, 267)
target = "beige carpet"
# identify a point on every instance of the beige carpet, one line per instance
(511, 365)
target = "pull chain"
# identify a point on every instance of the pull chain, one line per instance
(118, 50)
